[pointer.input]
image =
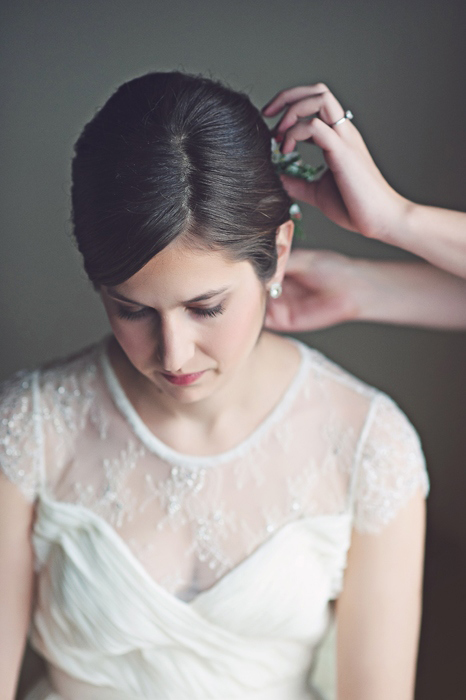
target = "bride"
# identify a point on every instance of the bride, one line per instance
(184, 505)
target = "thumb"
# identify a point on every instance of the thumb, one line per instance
(277, 315)
(301, 259)
(298, 188)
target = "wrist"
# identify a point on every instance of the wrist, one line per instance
(358, 278)
(398, 227)
(371, 290)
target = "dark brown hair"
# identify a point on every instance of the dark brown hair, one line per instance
(172, 154)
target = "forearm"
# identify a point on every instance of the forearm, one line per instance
(16, 583)
(409, 294)
(379, 610)
(435, 234)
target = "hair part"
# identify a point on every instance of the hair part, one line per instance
(171, 154)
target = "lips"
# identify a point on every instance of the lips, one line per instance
(182, 379)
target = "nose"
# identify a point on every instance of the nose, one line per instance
(176, 344)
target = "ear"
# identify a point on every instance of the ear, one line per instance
(283, 240)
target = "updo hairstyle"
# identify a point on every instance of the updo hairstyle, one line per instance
(171, 154)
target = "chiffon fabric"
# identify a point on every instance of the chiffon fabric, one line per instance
(166, 576)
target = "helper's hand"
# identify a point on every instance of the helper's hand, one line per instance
(320, 289)
(353, 192)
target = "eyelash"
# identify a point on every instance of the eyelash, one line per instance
(142, 313)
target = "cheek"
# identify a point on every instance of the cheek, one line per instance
(240, 330)
(135, 338)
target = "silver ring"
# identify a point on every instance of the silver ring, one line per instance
(348, 115)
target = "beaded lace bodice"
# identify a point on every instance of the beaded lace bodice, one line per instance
(332, 445)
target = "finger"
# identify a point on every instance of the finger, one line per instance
(325, 105)
(300, 260)
(271, 322)
(286, 97)
(312, 316)
(321, 134)
(313, 312)
(298, 188)
(277, 315)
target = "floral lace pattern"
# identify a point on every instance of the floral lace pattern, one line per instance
(332, 445)
(18, 451)
(383, 491)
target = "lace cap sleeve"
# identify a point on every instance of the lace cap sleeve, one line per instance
(19, 435)
(390, 466)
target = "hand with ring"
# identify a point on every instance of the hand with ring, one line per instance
(322, 288)
(352, 192)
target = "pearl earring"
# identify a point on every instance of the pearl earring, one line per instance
(275, 290)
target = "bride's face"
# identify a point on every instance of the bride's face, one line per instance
(189, 320)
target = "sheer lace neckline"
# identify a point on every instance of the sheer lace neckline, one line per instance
(154, 444)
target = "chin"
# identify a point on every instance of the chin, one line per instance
(189, 393)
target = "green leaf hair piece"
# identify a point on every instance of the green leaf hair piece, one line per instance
(292, 164)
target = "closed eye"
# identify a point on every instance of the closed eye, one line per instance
(126, 314)
(213, 311)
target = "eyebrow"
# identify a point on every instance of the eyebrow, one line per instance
(202, 297)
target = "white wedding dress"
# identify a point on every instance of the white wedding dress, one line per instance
(163, 576)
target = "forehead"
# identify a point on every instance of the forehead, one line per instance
(184, 271)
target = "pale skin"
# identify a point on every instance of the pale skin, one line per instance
(323, 288)
(181, 333)
(355, 195)
(16, 582)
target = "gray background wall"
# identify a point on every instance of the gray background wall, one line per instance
(400, 67)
